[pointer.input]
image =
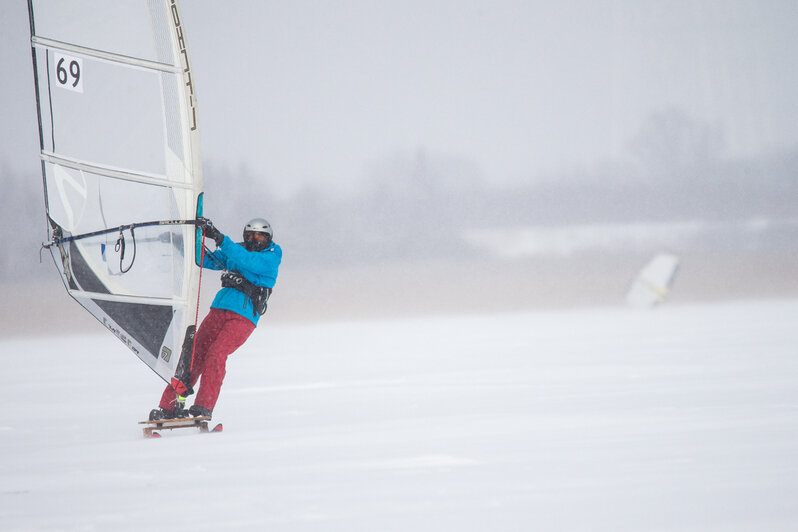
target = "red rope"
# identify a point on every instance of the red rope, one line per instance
(196, 317)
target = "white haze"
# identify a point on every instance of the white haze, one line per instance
(438, 157)
(308, 93)
(485, 162)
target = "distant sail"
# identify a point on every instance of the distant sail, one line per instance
(120, 155)
(654, 281)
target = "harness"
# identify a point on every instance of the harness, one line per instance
(259, 295)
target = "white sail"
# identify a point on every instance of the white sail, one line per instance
(654, 281)
(120, 154)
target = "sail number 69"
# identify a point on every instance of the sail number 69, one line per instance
(68, 72)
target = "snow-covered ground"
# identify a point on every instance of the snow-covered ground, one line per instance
(683, 418)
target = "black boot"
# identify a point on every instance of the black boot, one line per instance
(197, 411)
(157, 414)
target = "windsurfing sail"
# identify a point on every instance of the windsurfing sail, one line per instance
(654, 281)
(120, 157)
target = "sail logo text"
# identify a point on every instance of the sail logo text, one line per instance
(192, 100)
(118, 334)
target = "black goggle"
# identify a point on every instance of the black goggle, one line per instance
(259, 237)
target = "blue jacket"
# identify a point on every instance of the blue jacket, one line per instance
(259, 267)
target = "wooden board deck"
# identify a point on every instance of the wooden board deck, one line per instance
(175, 420)
(200, 422)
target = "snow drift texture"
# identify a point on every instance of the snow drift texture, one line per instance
(684, 418)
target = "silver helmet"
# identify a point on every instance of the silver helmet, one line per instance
(252, 231)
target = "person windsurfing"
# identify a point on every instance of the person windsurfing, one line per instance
(250, 275)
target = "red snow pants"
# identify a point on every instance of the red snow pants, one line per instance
(219, 334)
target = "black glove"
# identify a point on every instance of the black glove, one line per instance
(210, 230)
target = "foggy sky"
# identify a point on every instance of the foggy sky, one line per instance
(308, 92)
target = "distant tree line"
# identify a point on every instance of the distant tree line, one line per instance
(419, 205)
(422, 203)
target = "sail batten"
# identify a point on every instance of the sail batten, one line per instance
(127, 175)
(119, 298)
(107, 56)
(121, 167)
